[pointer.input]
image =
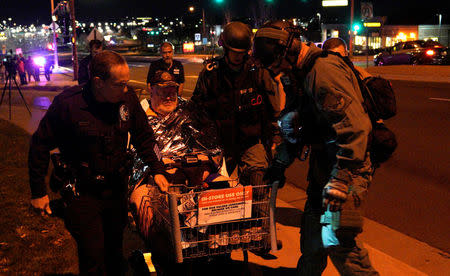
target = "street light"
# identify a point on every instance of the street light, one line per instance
(440, 18)
(191, 9)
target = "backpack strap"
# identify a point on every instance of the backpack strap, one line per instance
(365, 91)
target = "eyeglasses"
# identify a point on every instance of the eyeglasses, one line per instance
(166, 92)
(120, 84)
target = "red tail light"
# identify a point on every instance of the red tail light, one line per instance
(430, 52)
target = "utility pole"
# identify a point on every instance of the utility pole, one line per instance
(203, 29)
(74, 40)
(55, 45)
(350, 44)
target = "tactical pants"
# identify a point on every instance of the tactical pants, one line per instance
(350, 257)
(97, 226)
(252, 165)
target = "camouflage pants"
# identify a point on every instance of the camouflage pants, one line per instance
(350, 257)
(252, 165)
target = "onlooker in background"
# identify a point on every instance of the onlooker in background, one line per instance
(2, 71)
(95, 47)
(29, 68)
(48, 68)
(167, 63)
(21, 69)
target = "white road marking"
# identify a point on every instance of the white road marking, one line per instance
(440, 99)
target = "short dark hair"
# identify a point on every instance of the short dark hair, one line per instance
(101, 64)
(332, 43)
(95, 43)
(166, 44)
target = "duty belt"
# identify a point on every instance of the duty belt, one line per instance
(102, 186)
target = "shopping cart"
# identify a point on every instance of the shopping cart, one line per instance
(216, 222)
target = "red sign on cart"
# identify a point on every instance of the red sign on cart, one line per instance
(224, 205)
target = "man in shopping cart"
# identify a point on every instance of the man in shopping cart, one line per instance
(179, 134)
(189, 149)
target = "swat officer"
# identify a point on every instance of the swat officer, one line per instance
(340, 169)
(242, 98)
(167, 63)
(90, 126)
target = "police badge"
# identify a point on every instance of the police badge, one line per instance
(124, 113)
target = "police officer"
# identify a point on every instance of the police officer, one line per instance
(340, 169)
(167, 63)
(95, 47)
(242, 99)
(90, 126)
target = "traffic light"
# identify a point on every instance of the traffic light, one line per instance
(269, 1)
(356, 27)
(219, 1)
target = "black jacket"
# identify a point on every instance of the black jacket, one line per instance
(177, 70)
(83, 70)
(90, 133)
(238, 102)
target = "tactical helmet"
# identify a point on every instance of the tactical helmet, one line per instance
(277, 40)
(236, 36)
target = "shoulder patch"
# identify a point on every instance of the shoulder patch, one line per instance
(124, 113)
(211, 65)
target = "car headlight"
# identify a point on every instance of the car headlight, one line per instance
(444, 53)
(39, 61)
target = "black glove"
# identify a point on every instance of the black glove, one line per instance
(275, 173)
(334, 194)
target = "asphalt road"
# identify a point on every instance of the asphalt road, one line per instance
(410, 193)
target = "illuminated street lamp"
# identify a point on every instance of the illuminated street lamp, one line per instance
(440, 18)
(191, 9)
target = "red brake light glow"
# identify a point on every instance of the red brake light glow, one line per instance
(430, 52)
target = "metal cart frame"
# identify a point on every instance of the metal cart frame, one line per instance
(209, 239)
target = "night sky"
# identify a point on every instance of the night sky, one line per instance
(398, 11)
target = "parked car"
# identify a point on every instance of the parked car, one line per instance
(413, 52)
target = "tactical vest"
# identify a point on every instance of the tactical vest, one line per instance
(239, 106)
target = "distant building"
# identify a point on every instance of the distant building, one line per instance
(435, 32)
(388, 35)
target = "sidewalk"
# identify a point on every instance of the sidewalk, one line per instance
(59, 80)
(391, 252)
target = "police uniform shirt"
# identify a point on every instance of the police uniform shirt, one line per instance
(88, 131)
(176, 70)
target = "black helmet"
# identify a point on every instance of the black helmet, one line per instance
(277, 40)
(236, 36)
